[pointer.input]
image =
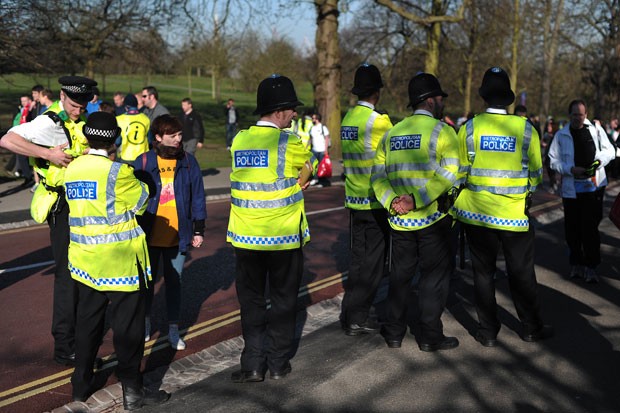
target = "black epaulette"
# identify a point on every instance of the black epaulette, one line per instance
(55, 117)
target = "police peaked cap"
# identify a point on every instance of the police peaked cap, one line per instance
(274, 93)
(495, 88)
(423, 86)
(367, 80)
(101, 127)
(78, 88)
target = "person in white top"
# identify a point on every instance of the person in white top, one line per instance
(319, 137)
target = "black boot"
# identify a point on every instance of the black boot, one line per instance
(133, 399)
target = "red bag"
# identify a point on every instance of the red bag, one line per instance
(325, 167)
(614, 213)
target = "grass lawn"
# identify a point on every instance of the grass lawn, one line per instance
(172, 89)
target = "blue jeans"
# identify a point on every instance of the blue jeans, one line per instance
(173, 261)
(231, 131)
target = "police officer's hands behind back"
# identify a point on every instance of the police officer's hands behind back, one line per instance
(403, 204)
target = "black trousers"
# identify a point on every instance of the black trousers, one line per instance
(369, 237)
(518, 248)
(65, 289)
(127, 311)
(430, 247)
(269, 334)
(582, 216)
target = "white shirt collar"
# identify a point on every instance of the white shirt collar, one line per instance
(497, 111)
(367, 104)
(102, 152)
(423, 112)
(266, 123)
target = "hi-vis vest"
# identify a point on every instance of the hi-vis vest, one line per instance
(418, 156)
(361, 131)
(106, 243)
(500, 164)
(134, 134)
(267, 204)
(53, 175)
(301, 127)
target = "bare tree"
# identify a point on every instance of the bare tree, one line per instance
(551, 37)
(431, 21)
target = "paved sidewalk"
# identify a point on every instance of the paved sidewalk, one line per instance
(578, 370)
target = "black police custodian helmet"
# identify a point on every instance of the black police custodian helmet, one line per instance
(422, 86)
(275, 92)
(367, 80)
(495, 88)
(78, 88)
(101, 127)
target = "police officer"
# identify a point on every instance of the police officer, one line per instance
(415, 167)
(268, 228)
(54, 140)
(501, 163)
(361, 131)
(109, 261)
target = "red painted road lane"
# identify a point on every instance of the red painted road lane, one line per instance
(208, 291)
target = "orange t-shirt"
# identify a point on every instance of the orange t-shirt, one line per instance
(166, 226)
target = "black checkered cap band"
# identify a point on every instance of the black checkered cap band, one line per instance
(103, 133)
(81, 89)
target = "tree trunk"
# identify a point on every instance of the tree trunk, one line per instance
(433, 36)
(328, 80)
(189, 81)
(514, 65)
(550, 48)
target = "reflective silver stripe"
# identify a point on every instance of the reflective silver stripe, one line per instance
(471, 147)
(109, 191)
(537, 173)
(499, 190)
(432, 145)
(395, 167)
(387, 196)
(408, 182)
(258, 186)
(358, 171)
(378, 172)
(282, 144)
(527, 138)
(463, 168)
(533, 188)
(423, 192)
(83, 221)
(144, 197)
(368, 131)
(446, 174)
(449, 161)
(498, 173)
(275, 203)
(358, 156)
(106, 238)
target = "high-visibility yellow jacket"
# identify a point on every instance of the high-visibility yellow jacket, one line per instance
(361, 131)
(53, 175)
(134, 135)
(418, 156)
(500, 165)
(267, 211)
(106, 243)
